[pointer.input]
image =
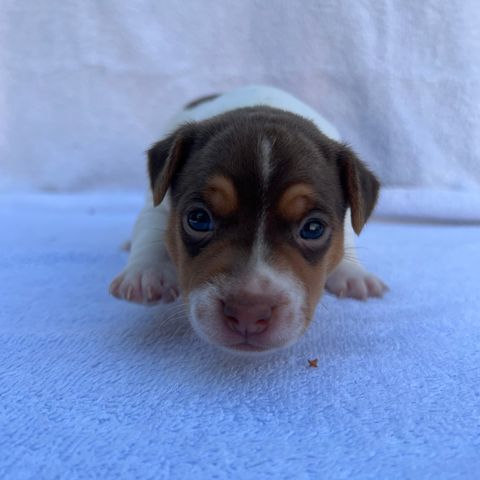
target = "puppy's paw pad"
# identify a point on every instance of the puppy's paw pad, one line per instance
(146, 286)
(355, 282)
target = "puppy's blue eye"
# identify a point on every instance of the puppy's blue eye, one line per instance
(200, 220)
(312, 230)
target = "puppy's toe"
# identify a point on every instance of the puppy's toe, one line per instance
(115, 285)
(357, 288)
(337, 286)
(352, 280)
(146, 286)
(151, 286)
(376, 288)
(129, 289)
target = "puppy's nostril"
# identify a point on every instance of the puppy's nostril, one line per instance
(247, 318)
(232, 323)
(262, 325)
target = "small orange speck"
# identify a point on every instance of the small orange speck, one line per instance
(313, 363)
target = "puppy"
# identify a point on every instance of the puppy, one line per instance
(253, 208)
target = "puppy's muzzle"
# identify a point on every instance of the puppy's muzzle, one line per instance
(257, 311)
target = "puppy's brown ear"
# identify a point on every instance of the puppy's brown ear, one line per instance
(360, 187)
(166, 158)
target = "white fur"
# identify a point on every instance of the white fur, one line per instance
(259, 247)
(265, 159)
(251, 96)
(149, 276)
(350, 278)
(289, 322)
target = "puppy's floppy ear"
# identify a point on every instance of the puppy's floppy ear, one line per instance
(166, 158)
(360, 187)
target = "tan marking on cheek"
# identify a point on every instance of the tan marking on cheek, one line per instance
(296, 201)
(172, 234)
(212, 261)
(336, 251)
(218, 258)
(221, 195)
(176, 249)
(312, 277)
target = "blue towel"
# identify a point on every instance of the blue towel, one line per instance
(91, 387)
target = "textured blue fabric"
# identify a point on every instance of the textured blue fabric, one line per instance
(91, 387)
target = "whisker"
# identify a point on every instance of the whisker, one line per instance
(177, 308)
(354, 260)
(357, 248)
(177, 316)
(176, 320)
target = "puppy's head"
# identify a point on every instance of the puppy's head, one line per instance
(258, 199)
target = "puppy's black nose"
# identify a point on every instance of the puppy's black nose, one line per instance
(247, 318)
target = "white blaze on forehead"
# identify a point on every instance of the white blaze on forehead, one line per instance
(265, 161)
(265, 164)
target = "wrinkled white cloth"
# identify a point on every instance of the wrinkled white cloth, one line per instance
(86, 87)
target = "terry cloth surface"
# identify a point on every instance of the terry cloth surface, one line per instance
(91, 387)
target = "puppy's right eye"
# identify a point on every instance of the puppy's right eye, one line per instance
(313, 232)
(200, 220)
(313, 229)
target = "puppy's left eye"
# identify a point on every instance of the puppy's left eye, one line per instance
(200, 220)
(312, 229)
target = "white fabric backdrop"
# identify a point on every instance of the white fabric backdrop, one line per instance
(85, 86)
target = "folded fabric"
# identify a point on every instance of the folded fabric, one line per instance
(424, 204)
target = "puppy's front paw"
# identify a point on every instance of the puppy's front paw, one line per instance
(352, 280)
(147, 285)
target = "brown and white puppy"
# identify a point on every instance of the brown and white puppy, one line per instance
(254, 200)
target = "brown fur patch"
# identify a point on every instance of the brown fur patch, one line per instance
(165, 158)
(172, 236)
(361, 188)
(221, 195)
(312, 277)
(199, 101)
(296, 201)
(215, 259)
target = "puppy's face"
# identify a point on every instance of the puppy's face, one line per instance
(258, 202)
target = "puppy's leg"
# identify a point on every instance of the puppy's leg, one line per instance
(149, 276)
(350, 279)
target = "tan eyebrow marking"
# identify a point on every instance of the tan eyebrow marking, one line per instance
(296, 201)
(221, 195)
